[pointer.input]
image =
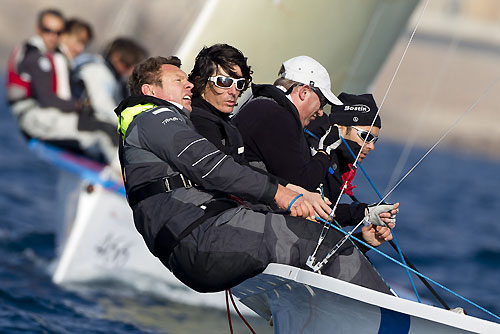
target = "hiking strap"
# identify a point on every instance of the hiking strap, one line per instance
(163, 185)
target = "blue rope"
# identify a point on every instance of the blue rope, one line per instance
(407, 272)
(362, 169)
(410, 269)
(311, 134)
(393, 234)
(293, 201)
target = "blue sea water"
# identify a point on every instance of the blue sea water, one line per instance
(448, 226)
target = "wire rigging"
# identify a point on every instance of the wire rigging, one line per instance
(436, 83)
(312, 258)
(412, 270)
(454, 125)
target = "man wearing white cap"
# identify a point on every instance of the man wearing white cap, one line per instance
(272, 122)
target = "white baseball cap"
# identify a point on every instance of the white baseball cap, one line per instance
(308, 71)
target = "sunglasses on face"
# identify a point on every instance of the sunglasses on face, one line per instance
(50, 31)
(367, 136)
(322, 99)
(222, 81)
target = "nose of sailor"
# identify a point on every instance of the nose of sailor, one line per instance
(188, 85)
(370, 146)
(320, 112)
(233, 91)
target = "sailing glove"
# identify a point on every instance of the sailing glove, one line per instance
(330, 140)
(375, 210)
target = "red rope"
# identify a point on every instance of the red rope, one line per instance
(238, 311)
(228, 313)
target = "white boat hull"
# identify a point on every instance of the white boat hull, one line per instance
(305, 302)
(104, 244)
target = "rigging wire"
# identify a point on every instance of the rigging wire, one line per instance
(394, 243)
(393, 77)
(312, 258)
(458, 120)
(488, 89)
(410, 269)
(437, 82)
(396, 247)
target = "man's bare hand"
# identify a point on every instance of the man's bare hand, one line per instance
(376, 235)
(300, 208)
(321, 206)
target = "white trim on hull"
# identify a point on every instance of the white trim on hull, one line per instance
(306, 302)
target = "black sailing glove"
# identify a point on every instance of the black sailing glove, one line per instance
(317, 129)
(330, 140)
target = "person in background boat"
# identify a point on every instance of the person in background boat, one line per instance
(38, 90)
(272, 126)
(352, 121)
(178, 185)
(101, 81)
(220, 75)
(75, 37)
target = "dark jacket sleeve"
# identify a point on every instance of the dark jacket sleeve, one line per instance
(209, 130)
(350, 214)
(41, 82)
(273, 137)
(213, 132)
(168, 136)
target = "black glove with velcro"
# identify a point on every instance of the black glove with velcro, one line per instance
(330, 140)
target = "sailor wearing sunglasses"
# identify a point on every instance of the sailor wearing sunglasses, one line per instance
(354, 120)
(182, 191)
(272, 126)
(220, 75)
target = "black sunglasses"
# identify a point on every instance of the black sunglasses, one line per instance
(322, 99)
(50, 31)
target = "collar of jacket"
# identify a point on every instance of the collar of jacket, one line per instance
(273, 92)
(202, 104)
(132, 106)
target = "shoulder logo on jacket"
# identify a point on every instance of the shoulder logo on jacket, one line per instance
(44, 64)
(357, 107)
(171, 119)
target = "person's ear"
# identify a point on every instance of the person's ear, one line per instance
(302, 92)
(147, 89)
(343, 129)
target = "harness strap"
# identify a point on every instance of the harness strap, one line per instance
(163, 185)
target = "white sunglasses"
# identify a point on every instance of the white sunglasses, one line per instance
(222, 81)
(367, 136)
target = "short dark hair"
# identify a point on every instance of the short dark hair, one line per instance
(49, 11)
(223, 55)
(149, 72)
(130, 52)
(74, 25)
